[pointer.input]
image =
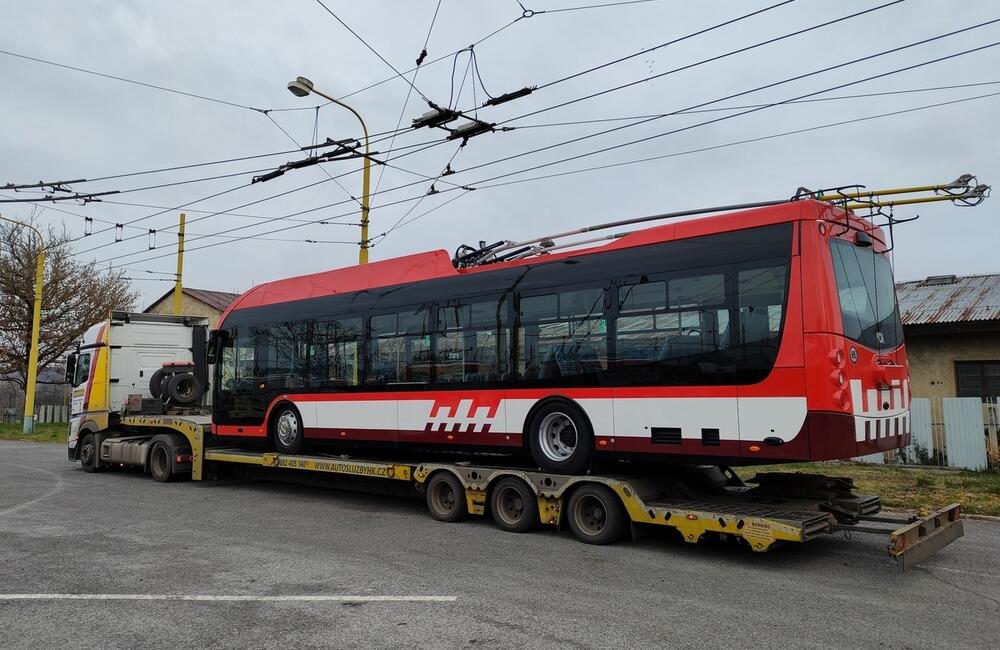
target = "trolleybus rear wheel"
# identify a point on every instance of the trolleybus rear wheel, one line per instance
(446, 497)
(596, 515)
(514, 505)
(560, 438)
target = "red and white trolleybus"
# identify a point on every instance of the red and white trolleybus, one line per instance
(758, 336)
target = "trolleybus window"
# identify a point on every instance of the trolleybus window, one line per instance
(334, 353)
(562, 334)
(399, 348)
(867, 296)
(471, 342)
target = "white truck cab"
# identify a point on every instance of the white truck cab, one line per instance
(118, 361)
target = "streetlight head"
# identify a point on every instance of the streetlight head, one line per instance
(300, 87)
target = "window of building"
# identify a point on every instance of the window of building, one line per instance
(978, 379)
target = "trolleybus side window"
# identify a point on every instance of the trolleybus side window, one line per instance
(285, 363)
(334, 352)
(398, 348)
(562, 334)
(238, 367)
(471, 342)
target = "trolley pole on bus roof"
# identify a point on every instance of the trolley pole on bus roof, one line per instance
(31, 377)
(178, 284)
(301, 87)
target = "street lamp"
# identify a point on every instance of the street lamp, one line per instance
(36, 321)
(301, 87)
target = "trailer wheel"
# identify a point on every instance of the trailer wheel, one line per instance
(514, 505)
(596, 515)
(161, 461)
(89, 459)
(560, 438)
(446, 497)
(286, 430)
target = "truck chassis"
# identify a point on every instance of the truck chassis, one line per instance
(597, 508)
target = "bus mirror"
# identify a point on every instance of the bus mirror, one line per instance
(862, 239)
(70, 367)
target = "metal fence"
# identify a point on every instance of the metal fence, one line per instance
(960, 432)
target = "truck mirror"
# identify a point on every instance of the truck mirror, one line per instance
(70, 368)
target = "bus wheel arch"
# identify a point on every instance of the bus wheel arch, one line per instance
(445, 496)
(285, 427)
(559, 436)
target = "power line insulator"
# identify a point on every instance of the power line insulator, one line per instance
(119, 228)
(471, 129)
(506, 97)
(88, 226)
(435, 117)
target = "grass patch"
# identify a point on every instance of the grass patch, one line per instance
(52, 432)
(910, 489)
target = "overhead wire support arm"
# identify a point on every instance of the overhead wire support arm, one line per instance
(75, 197)
(57, 186)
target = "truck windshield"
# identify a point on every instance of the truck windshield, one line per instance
(867, 296)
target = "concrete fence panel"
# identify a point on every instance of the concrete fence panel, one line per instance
(921, 432)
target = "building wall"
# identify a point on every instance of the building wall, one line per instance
(189, 307)
(932, 358)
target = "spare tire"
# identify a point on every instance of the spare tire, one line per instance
(183, 388)
(155, 389)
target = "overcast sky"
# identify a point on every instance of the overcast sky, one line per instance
(60, 124)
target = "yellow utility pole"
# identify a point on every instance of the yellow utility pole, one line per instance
(36, 322)
(178, 284)
(302, 87)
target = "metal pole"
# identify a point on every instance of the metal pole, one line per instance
(178, 285)
(31, 378)
(363, 253)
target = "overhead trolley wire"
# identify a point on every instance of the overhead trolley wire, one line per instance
(727, 117)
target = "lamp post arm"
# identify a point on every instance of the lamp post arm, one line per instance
(365, 196)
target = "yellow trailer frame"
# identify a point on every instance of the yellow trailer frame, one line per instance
(760, 525)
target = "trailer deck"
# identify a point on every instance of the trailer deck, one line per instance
(759, 516)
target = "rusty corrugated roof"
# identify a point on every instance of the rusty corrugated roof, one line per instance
(215, 299)
(949, 299)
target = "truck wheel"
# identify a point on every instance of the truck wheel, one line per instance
(446, 497)
(560, 438)
(183, 388)
(596, 515)
(161, 461)
(286, 430)
(156, 383)
(514, 506)
(89, 459)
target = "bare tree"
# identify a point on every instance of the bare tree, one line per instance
(75, 296)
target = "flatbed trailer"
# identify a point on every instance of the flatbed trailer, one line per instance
(699, 503)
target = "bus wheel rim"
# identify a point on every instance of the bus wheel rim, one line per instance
(557, 436)
(591, 515)
(288, 428)
(510, 506)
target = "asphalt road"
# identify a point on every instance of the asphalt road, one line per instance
(66, 532)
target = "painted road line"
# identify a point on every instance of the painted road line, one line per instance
(236, 598)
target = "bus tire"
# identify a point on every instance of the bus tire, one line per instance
(89, 453)
(446, 497)
(560, 438)
(161, 461)
(514, 505)
(596, 515)
(286, 430)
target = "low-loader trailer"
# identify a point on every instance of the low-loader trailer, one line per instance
(168, 435)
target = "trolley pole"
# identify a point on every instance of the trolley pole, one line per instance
(31, 377)
(178, 285)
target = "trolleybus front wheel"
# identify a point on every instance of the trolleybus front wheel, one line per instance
(446, 497)
(596, 515)
(514, 505)
(286, 430)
